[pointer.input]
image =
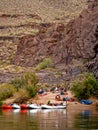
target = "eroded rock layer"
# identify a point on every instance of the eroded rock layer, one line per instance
(76, 41)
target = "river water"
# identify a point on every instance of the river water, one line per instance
(48, 120)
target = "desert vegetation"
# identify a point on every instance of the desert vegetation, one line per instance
(29, 27)
(28, 82)
(6, 90)
(25, 87)
(46, 63)
(85, 86)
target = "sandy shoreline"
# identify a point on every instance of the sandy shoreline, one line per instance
(75, 105)
(71, 105)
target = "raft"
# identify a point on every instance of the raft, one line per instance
(6, 106)
(16, 106)
(34, 106)
(53, 106)
(87, 102)
(24, 106)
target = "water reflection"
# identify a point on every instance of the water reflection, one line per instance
(87, 120)
(37, 119)
(86, 113)
(15, 111)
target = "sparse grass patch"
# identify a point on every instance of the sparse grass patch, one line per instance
(47, 62)
(6, 91)
(12, 68)
(85, 61)
(3, 64)
(34, 31)
(22, 96)
(18, 68)
(58, 73)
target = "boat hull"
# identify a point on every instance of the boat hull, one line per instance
(6, 107)
(33, 106)
(15, 106)
(53, 107)
(24, 106)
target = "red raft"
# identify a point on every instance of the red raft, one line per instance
(24, 106)
(6, 106)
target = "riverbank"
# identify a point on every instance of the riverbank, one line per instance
(71, 105)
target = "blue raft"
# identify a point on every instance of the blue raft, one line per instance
(87, 102)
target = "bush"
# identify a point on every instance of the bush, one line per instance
(22, 96)
(85, 86)
(32, 91)
(27, 82)
(17, 83)
(30, 81)
(1, 103)
(47, 62)
(6, 91)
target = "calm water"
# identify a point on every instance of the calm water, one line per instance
(48, 120)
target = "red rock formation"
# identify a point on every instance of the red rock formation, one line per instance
(62, 44)
(48, 43)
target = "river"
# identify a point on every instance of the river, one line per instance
(48, 120)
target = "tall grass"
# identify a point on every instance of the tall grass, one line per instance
(6, 91)
(22, 96)
(27, 82)
(17, 82)
(30, 81)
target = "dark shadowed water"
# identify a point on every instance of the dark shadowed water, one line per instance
(48, 120)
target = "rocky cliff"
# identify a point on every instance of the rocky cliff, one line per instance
(76, 41)
(31, 31)
(20, 18)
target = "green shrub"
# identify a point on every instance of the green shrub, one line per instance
(34, 31)
(32, 90)
(6, 91)
(30, 81)
(17, 83)
(85, 86)
(1, 103)
(47, 62)
(27, 82)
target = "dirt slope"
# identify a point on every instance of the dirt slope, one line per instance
(47, 9)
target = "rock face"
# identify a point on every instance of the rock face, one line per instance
(48, 43)
(93, 64)
(77, 41)
(32, 23)
(82, 37)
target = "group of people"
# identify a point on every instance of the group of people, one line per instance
(60, 92)
(54, 104)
